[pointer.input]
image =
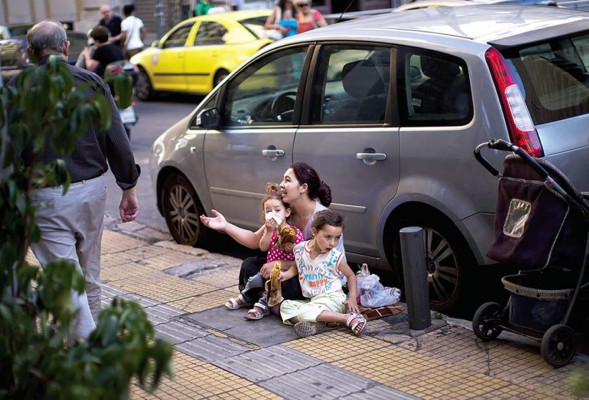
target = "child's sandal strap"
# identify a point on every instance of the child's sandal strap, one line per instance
(357, 323)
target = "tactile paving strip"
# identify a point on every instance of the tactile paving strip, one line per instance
(162, 287)
(130, 270)
(223, 279)
(405, 370)
(114, 242)
(516, 362)
(195, 379)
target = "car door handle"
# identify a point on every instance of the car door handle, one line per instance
(273, 153)
(371, 156)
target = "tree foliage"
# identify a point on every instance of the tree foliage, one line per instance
(36, 308)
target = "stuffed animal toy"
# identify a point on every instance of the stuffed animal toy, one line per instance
(274, 286)
(286, 234)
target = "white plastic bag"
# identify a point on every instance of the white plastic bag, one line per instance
(360, 275)
(380, 298)
(371, 293)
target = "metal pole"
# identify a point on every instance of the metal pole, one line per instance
(159, 18)
(416, 285)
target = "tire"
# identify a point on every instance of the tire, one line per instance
(447, 257)
(219, 76)
(486, 321)
(558, 345)
(182, 209)
(143, 88)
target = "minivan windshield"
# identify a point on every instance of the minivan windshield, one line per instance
(555, 77)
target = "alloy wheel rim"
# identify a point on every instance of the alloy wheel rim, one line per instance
(184, 213)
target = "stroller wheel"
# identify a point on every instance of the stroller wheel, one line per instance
(558, 345)
(486, 321)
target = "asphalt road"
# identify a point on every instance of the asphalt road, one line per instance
(154, 118)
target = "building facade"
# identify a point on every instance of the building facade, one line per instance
(83, 15)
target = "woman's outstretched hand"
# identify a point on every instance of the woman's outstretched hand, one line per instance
(217, 222)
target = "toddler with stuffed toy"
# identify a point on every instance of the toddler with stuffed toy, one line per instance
(278, 239)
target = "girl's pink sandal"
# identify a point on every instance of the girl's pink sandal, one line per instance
(357, 323)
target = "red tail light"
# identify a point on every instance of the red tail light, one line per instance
(519, 121)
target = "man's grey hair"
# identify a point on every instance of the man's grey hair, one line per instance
(46, 37)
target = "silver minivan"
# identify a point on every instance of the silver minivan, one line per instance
(388, 109)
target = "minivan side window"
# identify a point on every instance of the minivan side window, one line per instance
(351, 85)
(265, 92)
(435, 89)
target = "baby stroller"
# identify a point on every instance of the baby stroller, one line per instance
(541, 225)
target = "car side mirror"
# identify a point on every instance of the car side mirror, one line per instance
(209, 118)
(155, 43)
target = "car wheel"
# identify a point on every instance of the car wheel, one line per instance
(143, 88)
(182, 209)
(447, 257)
(219, 76)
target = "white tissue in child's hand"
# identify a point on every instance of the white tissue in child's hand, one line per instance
(273, 216)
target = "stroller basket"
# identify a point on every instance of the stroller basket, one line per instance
(535, 225)
(539, 299)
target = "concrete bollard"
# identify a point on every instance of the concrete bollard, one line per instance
(415, 277)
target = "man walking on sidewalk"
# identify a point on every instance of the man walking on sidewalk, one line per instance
(71, 225)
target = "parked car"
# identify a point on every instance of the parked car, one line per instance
(14, 56)
(198, 53)
(414, 5)
(388, 109)
(417, 4)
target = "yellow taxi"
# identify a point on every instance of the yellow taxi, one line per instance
(198, 53)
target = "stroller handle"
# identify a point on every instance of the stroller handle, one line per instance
(500, 144)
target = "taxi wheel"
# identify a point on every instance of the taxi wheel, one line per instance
(143, 88)
(182, 210)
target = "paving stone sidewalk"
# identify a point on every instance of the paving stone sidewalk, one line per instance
(220, 355)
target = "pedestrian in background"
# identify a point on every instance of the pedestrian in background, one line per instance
(133, 32)
(281, 22)
(71, 225)
(112, 22)
(203, 7)
(104, 52)
(307, 17)
(185, 9)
